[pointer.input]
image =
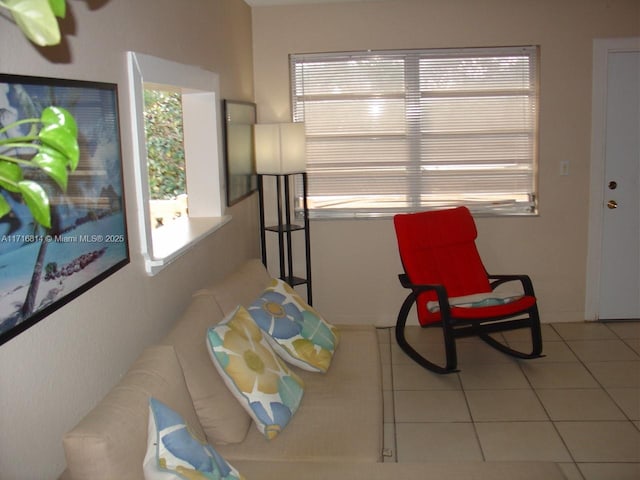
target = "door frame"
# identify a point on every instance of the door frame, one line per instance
(602, 47)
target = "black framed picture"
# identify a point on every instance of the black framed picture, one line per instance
(43, 268)
(239, 119)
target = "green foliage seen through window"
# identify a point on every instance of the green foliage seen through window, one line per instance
(165, 144)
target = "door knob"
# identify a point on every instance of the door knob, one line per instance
(611, 204)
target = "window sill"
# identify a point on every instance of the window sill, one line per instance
(178, 237)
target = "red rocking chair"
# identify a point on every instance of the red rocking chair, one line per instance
(451, 287)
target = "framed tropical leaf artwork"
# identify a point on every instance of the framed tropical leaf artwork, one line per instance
(62, 211)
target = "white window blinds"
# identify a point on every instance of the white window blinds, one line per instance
(397, 131)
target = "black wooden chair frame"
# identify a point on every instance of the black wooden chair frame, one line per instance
(454, 328)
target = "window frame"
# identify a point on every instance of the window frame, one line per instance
(413, 96)
(204, 171)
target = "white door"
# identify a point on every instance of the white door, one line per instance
(616, 183)
(620, 271)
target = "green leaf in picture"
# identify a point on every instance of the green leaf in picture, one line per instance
(61, 139)
(58, 7)
(53, 164)
(290, 391)
(36, 20)
(4, 206)
(10, 175)
(59, 116)
(37, 200)
(314, 329)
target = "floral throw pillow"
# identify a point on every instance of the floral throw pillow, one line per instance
(296, 331)
(174, 453)
(267, 389)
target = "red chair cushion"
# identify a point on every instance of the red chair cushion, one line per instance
(438, 247)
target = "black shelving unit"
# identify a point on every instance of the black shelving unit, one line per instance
(285, 229)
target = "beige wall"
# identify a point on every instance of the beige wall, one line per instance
(355, 263)
(53, 373)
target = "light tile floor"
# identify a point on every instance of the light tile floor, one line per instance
(578, 406)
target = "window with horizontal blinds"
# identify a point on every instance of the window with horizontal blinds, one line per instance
(395, 131)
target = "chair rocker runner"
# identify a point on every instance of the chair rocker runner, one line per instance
(452, 289)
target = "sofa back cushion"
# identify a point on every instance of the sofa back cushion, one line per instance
(110, 442)
(242, 287)
(222, 418)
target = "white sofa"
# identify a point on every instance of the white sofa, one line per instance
(336, 433)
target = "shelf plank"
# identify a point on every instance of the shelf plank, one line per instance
(293, 281)
(285, 228)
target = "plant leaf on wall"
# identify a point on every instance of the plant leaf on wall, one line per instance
(59, 7)
(37, 19)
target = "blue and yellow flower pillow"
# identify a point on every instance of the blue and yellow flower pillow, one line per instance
(296, 331)
(174, 453)
(267, 389)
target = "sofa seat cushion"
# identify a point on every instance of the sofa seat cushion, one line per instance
(348, 395)
(110, 441)
(386, 471)
(221, 416)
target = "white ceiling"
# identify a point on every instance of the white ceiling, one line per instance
(268, 3)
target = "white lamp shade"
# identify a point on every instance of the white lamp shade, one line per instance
(280, 148)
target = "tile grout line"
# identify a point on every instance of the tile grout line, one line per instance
(548, 413)
(473, 422)
(393, 400)
(601, 387)
(392, 396)
(586, 367)
(637, 426)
